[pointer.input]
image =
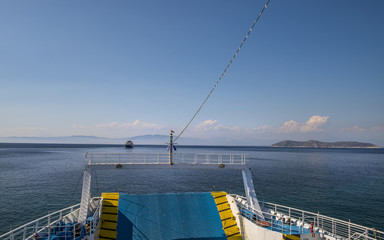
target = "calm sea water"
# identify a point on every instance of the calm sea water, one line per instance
(343, 183)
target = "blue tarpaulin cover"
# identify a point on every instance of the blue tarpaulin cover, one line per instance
(175, 216)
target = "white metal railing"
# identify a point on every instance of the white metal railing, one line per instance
(332, 226)
(44, 226)
(25, 230)
(323, 224)
(163, 158)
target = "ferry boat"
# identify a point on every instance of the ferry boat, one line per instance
(183, 216)
(129, 144)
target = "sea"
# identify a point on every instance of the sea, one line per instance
(348, 184)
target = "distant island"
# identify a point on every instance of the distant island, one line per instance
(318, 144)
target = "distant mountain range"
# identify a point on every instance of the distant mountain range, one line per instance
(158, 139)
(145, 139)
(318, 144)
(141, 140)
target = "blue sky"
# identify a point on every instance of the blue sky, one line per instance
(310, 69)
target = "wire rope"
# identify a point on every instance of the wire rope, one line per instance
(77, 185)
(263, 193)
(225, 70)
(233, 182)
(97, 184)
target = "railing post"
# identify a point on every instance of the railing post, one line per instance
(290, 222)
(318, 219)
(49, 228)
(24, 232)
(349, 229)
(335, 228)
(282, 226)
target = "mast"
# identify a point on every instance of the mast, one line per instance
(171, 147)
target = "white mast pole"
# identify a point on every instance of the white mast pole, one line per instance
(171, 148)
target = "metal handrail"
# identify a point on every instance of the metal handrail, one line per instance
(331, 225)
(163, 158)
(41, 224)
(324, 224)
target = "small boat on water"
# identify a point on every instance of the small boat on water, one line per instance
(129, 144)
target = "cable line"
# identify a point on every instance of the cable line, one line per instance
(225, 70)
(74, 190)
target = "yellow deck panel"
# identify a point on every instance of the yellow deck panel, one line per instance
(109, 225)
(108, 233)
(220, 201)
(218, 194)
(114, 203)
(226, 215)
(107, 209)
(109, 217)
(291, 237)
(223, 207)
(228, 223)
(227, 219)
(110, 195)
(232, 229)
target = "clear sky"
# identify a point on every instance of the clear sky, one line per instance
(310, 69)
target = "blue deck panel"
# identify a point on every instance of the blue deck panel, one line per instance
(173, 216)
